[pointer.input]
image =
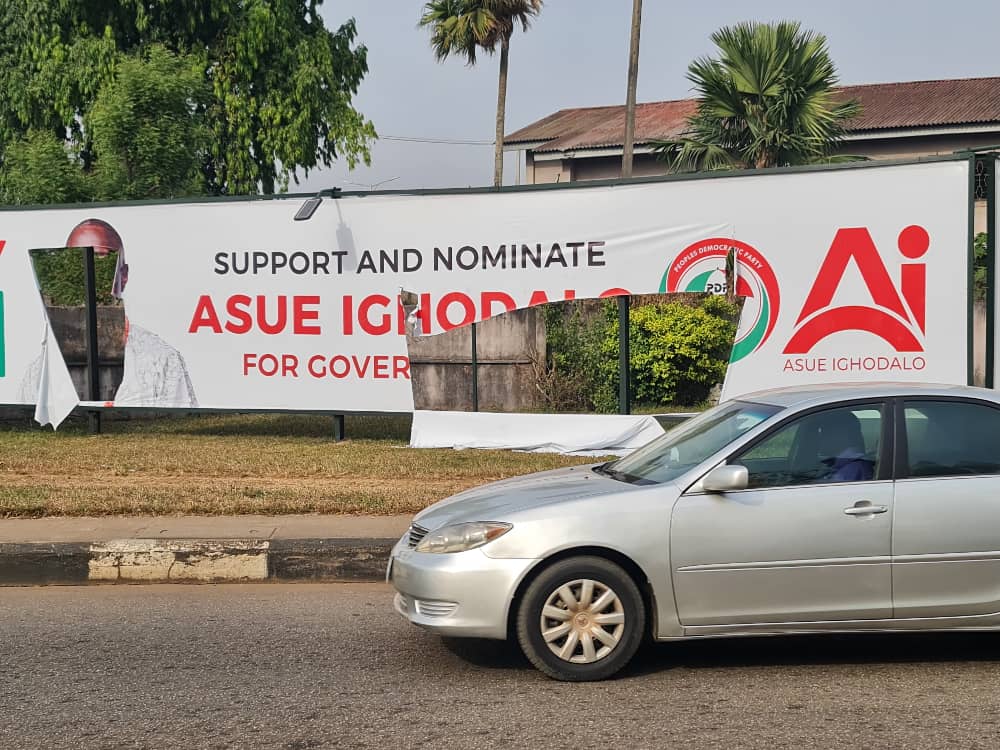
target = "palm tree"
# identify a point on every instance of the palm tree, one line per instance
(461, 27)
(768, 100)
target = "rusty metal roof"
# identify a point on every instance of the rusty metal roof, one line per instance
(885, 106)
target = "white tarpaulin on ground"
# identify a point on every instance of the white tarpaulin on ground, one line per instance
(570, 434)
(849, 274)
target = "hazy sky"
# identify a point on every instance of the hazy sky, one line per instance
(576, 55)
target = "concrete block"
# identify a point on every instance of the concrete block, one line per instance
(150, 560)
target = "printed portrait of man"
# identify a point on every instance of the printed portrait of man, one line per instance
(155, 373)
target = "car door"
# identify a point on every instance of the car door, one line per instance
(946, 530)
(808, 540)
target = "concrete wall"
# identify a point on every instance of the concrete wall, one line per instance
(69, 324)
(610, 167)
(916, 146)
(545, 172)
(507, 347)
(441, 366)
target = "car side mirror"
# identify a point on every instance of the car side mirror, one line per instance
(726, 479)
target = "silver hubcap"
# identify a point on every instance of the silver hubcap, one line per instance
(582, 621)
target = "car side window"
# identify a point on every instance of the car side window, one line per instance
(951, 438)
(833, 445)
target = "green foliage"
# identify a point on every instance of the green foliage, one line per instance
(143, 99)
(575, 333)
(148, 128)
(61, 277)
(38, 168)
(679, 351)
(979, 267)
(282, 89)
(768, 100)
(268, 84)
(462, 27)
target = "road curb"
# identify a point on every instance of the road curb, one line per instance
(40, 564)
(194, 561)
(329, 559)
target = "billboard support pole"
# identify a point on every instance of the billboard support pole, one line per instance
(93, 363)
(989, 164)
(475, 370)
(970, 365)
(624, 355)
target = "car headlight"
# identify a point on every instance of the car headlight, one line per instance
(460, 537)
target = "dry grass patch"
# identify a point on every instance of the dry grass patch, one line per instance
(235, 464)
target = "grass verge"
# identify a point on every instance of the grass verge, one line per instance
(238, 464)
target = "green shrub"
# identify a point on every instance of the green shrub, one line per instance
(679, 351)
(61, 276)
(979, 267)
(574, 338)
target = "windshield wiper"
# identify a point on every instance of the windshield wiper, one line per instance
(603, 469)
(620, 476)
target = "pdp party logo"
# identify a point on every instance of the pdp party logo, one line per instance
(701, 267)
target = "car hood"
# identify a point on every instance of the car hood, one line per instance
(496, 501)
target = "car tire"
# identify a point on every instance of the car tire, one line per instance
(581, 619)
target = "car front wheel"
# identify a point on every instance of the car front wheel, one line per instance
(581, 619)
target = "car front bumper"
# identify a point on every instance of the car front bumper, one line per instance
(456, 594)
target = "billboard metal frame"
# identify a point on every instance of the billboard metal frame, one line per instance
(335, 193)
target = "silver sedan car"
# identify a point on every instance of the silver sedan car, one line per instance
(827, 509)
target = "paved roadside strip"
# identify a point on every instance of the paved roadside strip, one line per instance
(185, 549)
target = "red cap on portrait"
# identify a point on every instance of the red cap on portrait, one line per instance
(97, 234)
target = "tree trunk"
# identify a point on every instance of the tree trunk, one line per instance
(501, 112)
(766, 160)
(633, 77)
(266, 172)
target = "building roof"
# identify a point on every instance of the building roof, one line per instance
(885, 106)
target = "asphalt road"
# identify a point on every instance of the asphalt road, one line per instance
(316, 666)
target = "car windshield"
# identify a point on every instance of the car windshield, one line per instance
(689, 444)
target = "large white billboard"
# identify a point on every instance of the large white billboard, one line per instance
(849, 274)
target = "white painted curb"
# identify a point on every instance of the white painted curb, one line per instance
(191, 560)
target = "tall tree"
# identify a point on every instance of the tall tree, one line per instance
(767, 100)
(148, 129)
(462, 27)
(39, 169)
(279, 83)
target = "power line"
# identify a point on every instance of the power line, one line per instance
(448, 141)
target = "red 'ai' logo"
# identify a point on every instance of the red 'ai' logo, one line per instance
(896, 323)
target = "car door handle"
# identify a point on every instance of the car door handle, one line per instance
(865, 508)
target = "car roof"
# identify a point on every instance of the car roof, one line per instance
(814, 395)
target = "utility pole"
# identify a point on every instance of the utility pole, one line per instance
(633, 77)
(624, 350)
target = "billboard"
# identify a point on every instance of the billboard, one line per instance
(848, 274)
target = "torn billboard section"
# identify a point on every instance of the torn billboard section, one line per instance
(849, 274)
(32, 368)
